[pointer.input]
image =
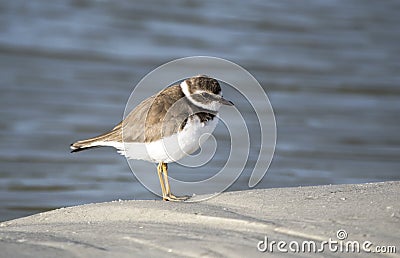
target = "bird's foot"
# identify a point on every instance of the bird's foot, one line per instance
(173, 198)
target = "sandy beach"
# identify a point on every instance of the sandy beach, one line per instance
(230, 225)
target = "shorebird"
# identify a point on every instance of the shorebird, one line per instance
(166, 126)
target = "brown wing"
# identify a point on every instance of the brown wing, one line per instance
(161, 115)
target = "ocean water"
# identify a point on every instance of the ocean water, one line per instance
(67, 68)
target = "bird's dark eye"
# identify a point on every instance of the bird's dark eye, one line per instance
(204, 94)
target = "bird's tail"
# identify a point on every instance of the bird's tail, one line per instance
(84, 144)
(107, 139)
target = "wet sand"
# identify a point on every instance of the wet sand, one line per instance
(231, 224)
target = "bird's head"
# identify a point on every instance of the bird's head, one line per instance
(204, 92)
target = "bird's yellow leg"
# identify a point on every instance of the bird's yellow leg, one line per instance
(169, 196)
(160, 176)
(164, 167)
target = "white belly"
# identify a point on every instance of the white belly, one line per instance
(174, 147)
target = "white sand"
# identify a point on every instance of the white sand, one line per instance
(231, 224)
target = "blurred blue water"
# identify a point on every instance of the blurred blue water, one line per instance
(330, 68)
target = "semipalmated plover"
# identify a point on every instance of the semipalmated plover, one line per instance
(166, 126)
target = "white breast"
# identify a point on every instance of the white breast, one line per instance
(174, 147)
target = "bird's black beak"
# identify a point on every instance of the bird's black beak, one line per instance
(225, 102)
